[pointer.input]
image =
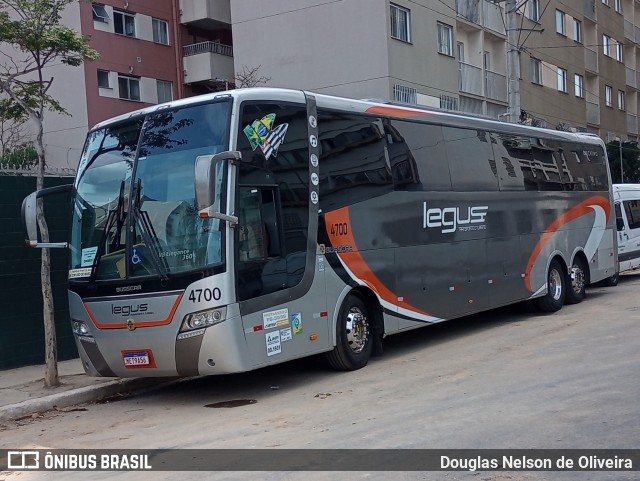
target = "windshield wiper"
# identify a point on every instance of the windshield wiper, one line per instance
(149, 236)
(115, 217)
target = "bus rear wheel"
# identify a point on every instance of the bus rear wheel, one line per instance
(553, 300)
(354, 337)
(576, 282)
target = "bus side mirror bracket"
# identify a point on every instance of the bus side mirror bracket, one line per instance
(209, 175)
(30, 216)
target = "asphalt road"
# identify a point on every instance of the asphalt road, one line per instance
(507, 378)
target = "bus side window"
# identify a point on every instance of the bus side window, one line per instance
(471, 161)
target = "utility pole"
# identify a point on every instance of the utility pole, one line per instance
(513, 62)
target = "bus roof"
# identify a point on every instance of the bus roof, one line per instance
(409, 112)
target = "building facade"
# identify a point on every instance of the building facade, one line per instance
(579, 66)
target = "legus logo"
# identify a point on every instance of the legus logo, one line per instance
(452, 219)
(128, 310)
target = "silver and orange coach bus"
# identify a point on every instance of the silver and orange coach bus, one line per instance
(231, 231)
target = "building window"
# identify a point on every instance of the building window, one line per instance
(534, 10)
(578, 84)
(103, 79)
(620, 100)
(160, 31)
(605, 2)
(536, 71)
(608, 95)
(445, 39)
(400, 23)
(100, 13)
(619, 52)
(129, 88)
(577, 30)
(618, 6)
(560, 22)
(124, 23)
(165, 91)
(606, 45)
(562, 80)
(407, 95)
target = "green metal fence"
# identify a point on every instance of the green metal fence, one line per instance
(21, 325)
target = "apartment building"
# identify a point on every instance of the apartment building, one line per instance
(579, 65)
(150, 52)
(578, 58)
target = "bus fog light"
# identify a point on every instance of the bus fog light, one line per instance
(80, 328)
(200, 320)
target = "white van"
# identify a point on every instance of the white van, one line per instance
(627, 206)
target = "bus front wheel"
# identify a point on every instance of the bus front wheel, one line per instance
(354, 336)
(553, 300)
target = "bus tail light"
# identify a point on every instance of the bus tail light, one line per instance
(80, 328)
(200, 320)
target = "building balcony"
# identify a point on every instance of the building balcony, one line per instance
(205, 14)
(593, 113)
(591, 59)
(632, 124)
(482, 13)
(495, 86)
(208, 61)
(470, 78)
(629, 30)
(630, 77)
(589, 9)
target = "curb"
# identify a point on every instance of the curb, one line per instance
(73, 397)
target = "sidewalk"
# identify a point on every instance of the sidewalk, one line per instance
(22, 390)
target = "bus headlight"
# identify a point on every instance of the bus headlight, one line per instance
(200, 320)
(80, 328)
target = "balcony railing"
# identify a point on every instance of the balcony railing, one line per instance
(628, 30)
(632, 124)
(207, 47)
(590, 9)
(593, 113)
(495, 86)
(470, 78)
(469, 10)
(630, 77)
(591, 59)
(493, 17)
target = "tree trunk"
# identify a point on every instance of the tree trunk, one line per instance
(51, 347)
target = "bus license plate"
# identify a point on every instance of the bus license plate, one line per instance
(136, 359)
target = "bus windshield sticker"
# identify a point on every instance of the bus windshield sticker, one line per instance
(75, 273)
(88, 255)
(273, 319)
(264, 134)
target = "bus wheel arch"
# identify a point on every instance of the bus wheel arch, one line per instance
(358, 324)
(578, 277)
(556, 280)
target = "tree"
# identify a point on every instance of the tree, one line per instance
(249, 77)
(32, 28)
(630, 161)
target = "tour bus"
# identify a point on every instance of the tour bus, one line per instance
(240, 229)
(626, 199)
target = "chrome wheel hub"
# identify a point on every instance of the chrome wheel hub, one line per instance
(357, 329)
(577, 279)
(555, 284)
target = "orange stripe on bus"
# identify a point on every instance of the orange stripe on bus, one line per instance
(123, 325)
(395, 111)
(355, 262)
(578, 211)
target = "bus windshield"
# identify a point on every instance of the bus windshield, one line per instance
(134, 211)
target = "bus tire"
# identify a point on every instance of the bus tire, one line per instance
(553, 300)
(576, 282)
(354, 336)
(611, 281)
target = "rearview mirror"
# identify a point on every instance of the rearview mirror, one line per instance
(209, 174)
(619, 223)
(30, 216)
